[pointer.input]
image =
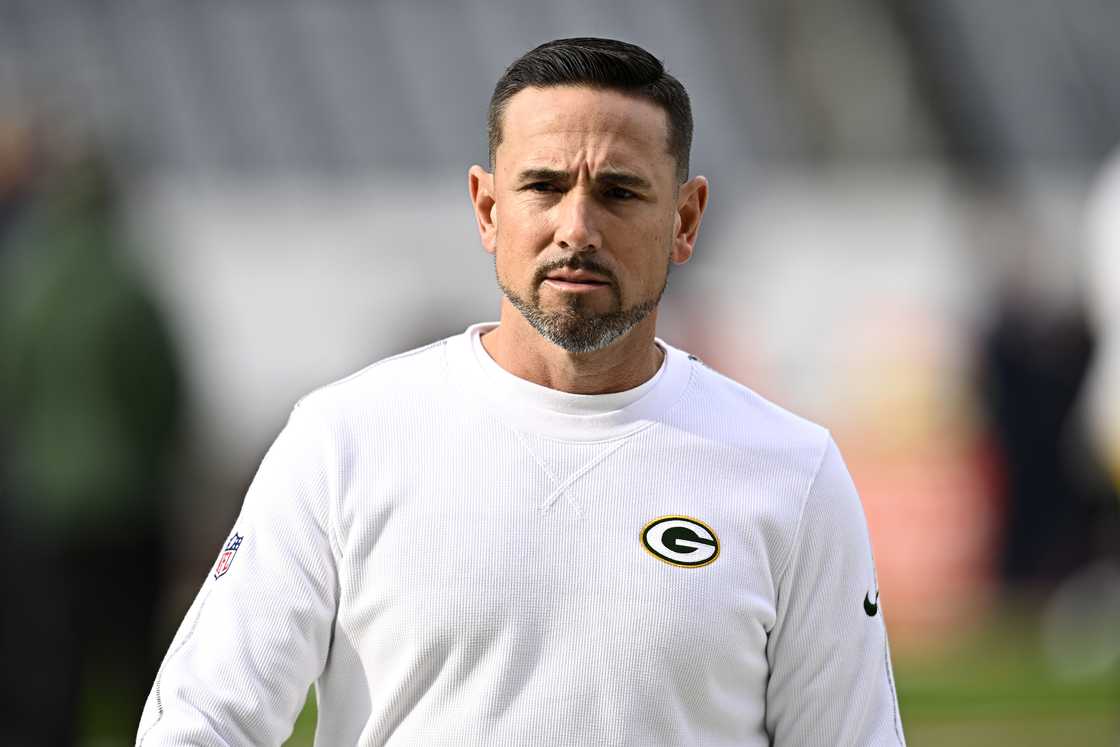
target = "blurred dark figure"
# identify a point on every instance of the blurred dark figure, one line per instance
(89, 405)
(19, 166)
(1034, 364)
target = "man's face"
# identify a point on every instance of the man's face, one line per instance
(584, 212)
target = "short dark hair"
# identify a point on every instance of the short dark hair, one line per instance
(597, 63)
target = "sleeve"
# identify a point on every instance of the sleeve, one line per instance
(830, 671)
(258, 633)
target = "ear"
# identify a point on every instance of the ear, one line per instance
(692, 198)
(481, 185)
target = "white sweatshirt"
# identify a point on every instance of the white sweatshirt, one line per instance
(455, 556)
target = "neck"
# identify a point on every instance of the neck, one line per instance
(624, 364)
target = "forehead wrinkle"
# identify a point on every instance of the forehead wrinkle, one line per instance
(609, 158)
(591, 138)
(608, 171)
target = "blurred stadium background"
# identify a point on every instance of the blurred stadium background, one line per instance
(208, 209)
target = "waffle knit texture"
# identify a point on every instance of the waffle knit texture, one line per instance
(455, 556)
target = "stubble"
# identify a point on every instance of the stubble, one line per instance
(576, 326)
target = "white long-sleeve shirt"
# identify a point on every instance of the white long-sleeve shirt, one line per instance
(455, 556)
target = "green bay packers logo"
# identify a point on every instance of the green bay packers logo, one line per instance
(680, 541)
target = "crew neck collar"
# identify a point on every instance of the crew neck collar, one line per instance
(564, 415)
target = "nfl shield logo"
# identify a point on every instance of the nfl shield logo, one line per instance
(226, 558)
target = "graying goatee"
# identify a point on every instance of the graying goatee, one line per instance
(574, 327)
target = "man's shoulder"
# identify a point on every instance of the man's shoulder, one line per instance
(738, 415)
(397, 379)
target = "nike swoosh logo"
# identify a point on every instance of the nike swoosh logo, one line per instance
(871, 608)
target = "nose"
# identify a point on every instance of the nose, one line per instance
(576, 225)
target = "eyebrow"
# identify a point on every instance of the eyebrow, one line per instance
(609, 176)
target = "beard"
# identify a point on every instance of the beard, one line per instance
(576, 326)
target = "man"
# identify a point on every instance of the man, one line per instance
(555, 530)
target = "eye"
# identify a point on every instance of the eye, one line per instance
(618, 193)
(543, 187)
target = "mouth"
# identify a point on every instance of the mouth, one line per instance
(565, 279)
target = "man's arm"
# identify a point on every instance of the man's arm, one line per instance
(258, 633)
(830, 672)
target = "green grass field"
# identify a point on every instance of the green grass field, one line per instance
(995, 688)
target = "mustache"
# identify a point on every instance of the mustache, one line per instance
(574, 262)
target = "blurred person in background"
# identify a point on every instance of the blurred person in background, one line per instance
(19, 168)
(557, 528)
(1035, 362)
(89, 407)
